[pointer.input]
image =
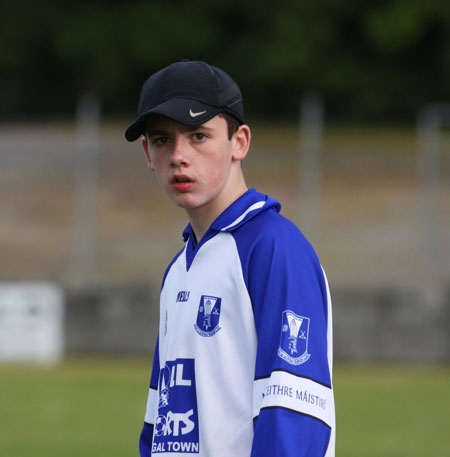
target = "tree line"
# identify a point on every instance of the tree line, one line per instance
(371, 61)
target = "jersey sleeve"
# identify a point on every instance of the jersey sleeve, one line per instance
(146, 437)
(293, 404)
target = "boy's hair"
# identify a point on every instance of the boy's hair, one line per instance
(232, 123)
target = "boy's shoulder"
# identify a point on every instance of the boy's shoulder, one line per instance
(255, 222)
(272, 233)
(270, 225)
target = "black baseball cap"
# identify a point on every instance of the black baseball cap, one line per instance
(189, 92)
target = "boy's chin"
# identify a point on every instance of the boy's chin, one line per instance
(184, 201)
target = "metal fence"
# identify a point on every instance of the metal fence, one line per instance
(80, 206)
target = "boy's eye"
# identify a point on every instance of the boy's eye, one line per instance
(160, 140)
(199, 136)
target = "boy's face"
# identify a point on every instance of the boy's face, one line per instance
(196, 166)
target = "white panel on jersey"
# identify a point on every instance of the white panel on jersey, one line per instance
(224, 358)
(152, 406)
(298, 394)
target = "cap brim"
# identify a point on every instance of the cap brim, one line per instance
(185, 111)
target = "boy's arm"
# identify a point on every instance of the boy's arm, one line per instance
(293, 404)
(145, 441)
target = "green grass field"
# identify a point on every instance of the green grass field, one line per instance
(95, 407)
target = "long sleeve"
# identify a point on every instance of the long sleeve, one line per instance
(293, 404)
(145, 441)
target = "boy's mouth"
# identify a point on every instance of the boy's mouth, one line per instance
(181, 179)
(182, 183)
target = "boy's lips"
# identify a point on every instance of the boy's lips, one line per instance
(182, 183)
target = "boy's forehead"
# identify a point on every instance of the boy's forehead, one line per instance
(158, 122)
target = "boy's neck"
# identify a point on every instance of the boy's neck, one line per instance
(201, 218)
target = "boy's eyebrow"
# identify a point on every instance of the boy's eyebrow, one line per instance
(190, 128)
(198, 127)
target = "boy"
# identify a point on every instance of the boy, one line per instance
(243, 360)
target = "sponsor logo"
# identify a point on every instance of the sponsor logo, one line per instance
(183, 296)
(176, 427)
(175, 424)
(294, 338)
(192, 114)
(208, 316)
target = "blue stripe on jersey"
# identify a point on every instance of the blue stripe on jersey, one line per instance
(155, 368)
(192, 247)
(145, 440)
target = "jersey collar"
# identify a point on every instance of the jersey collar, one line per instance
(243, 209)
(238, 213)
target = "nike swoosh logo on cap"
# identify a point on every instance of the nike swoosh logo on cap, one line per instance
(192, 114)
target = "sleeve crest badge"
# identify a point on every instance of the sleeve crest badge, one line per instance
(294, 338)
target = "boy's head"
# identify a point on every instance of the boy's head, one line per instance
(191, 93)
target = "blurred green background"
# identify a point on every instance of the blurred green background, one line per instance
(91, 407)
(78, 208)
(373, 61)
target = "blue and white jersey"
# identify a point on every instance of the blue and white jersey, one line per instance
(243, 360)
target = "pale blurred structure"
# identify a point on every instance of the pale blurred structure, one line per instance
(31, 322)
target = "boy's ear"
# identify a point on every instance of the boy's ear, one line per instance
(144, 143)
(241, 142)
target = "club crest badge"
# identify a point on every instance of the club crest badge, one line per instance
(208, 316)
(294, 338)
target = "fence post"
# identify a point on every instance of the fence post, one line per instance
(311, 121)
(85, 188)
(429, 122)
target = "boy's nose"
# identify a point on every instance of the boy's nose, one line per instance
(179, 155)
